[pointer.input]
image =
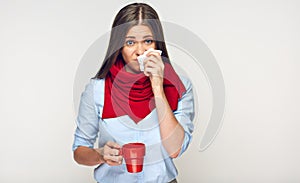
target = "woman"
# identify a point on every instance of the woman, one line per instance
(123, 104)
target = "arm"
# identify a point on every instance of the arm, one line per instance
(171, 131)
(94, 156)
(88, 156)
(175, 134)
(86, 134)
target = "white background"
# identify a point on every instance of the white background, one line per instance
(256, 44)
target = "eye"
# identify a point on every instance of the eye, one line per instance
(148, 41)
(129, 42)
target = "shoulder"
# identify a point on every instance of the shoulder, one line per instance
(94, 83)
(93, 87)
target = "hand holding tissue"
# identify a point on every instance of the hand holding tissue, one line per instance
(141, 58)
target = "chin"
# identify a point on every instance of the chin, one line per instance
(133, 68)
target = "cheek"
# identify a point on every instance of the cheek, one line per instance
(127, 53)
(152, 45)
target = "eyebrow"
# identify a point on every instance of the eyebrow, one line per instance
(133, 37)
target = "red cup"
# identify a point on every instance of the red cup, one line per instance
(133, 153)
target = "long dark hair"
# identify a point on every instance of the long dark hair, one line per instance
(127, 17)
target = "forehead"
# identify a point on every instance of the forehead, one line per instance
(139, 31)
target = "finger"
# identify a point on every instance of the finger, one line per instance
(147, 74)
(112, 163)
(153, 67)
(152, 72)
(112, 144)
(154, 64)
(110, 151)
(150, 64)
(154, 53)
(112, 158)
(152, 58)
(148, 71)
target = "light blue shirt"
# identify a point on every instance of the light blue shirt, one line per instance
(158, 166)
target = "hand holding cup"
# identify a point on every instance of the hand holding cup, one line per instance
(111, 153)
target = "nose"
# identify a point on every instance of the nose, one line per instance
(140, 49)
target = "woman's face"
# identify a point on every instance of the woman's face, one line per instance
(138, 39)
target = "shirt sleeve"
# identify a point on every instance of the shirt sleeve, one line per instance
(87, 128)
(185, 114)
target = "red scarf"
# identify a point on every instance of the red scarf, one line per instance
(131, 94)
